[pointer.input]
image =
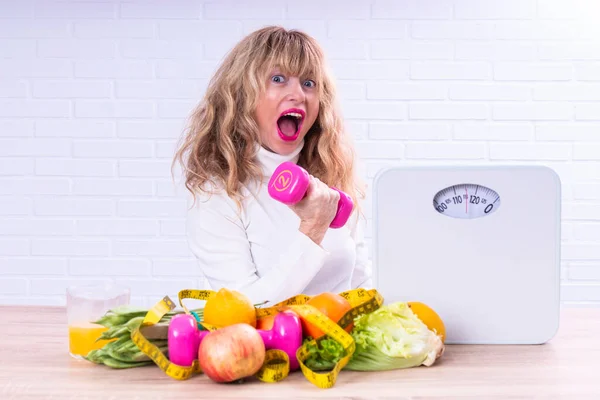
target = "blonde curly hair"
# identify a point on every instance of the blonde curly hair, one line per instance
(220, 143)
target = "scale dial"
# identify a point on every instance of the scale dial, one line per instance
(466, 200)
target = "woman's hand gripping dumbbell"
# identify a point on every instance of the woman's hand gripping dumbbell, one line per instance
(290, 184)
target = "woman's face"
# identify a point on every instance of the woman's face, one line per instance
(286, 111)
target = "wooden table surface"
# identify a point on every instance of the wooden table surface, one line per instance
(36, 365)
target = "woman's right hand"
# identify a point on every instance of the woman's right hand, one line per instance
(317, 209)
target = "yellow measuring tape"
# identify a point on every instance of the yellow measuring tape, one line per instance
(276, 365)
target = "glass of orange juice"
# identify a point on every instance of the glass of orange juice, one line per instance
(86, 304)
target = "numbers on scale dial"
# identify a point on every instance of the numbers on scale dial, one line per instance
(466, 200)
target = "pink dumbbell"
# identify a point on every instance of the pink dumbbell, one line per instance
(289, 183)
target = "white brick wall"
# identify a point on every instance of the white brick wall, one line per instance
(93, 95)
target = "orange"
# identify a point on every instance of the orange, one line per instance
(265, 323)
(333, 306)
(228, 307)
(429, 317)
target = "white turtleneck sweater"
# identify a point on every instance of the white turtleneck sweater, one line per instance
(261, 252)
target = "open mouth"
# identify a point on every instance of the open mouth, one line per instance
(290, 123)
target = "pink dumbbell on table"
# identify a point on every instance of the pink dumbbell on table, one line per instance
(289, 183)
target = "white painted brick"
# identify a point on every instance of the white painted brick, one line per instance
(374, 110)
(64, 10)
(316, 28)
(338, 49)
(351, 90)
(13, 286)
(51, 68)
(358, 129)
(15, 206)
(581, 292)
(151, 208)
(37, 227)
(114, 109)
(587, 111)
(16, 128)
(570, 51)
(74, 128)
(69, 247)
(568, 131)
(184, 30)
(496, 51)
(530, 151)
(146, 169)
(151, 48)
(449, 30)
(353, 9)
(74, 167)
(109, 267)
(30, 186)
(536, 111)
(445, 150)
(587, 231)
(151, 248)
(540, 30)
(216, 51)
(33, 300)
(17, 108)
(412, 9)
(489, 91)
(175, 267)
(367, 29)
(10, 89)
(71, 206)
(385, 90)
(231, 9)
(489, 9)
(78, 89)
(34, 28)
(112, 149)
(17, 48)
(150, 129)
(77, 48)
(170, 89)
(516, 71)
(165, 149)
(397, 49)
(380, 149)
(104, 29)
(567, 92)
(188, 70)
(586, 151)
(580, 251)
(35, 147)
(370, 70)
(14, 247)
(451, 111)
(157, 10)
(58, 286)
(116, 69)
(581, 211)
(24, 9)
(450, 70)
(168, 188)
(112, 187)
(180, 109)
(493, 131)
(586, 191)
(408, 131)
(116, 227)
(173, 227)
(584, 271)
(587, 72)
(33, 266)
(556, 9)
(158, 288)
(585, 171)
(16, 166)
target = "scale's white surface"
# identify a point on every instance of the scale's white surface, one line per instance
(490, 265)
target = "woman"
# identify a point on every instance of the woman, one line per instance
(243, 239)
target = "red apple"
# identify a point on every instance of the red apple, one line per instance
(231, 353)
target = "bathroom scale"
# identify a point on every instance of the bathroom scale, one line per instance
(480, 244)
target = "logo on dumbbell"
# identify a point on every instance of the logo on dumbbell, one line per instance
(282, 180)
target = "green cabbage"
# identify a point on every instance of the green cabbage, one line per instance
(393, 337)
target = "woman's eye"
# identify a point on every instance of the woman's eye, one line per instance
(310, 83)
(277, 78)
